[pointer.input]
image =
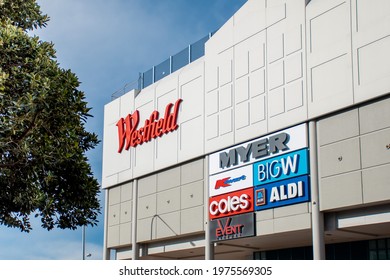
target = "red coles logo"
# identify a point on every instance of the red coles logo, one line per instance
(154, 127)
(231, 204)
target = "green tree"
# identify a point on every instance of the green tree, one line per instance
(43, 140)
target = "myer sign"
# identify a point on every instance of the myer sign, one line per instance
(272, 145)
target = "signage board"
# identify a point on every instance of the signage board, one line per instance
(281, 167)
(274, 144)
(230, 204)
(232, 227)
(282, 193)
(129, 135)
(229, 181)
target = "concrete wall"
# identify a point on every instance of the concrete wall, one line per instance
(169, 204)
(354, 157)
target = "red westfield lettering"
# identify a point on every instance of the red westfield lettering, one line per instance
(225, 230)
(153, 127)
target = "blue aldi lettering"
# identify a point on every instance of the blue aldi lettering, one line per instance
(286, 192)
(281, 167)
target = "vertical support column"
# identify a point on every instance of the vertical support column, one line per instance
(135, 247)
(317, 218)
(170, 64)
(83, 241)
(106, 251)
(209, 246)
(189, 54)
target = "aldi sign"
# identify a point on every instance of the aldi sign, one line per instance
(282, 193)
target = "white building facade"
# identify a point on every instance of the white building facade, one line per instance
(273, 145)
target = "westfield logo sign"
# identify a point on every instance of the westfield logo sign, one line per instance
(130, 135)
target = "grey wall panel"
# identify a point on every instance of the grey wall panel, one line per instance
(376, 148)
(376, 184)
(147, 206)
(168, 179)
(340, 157)
(168, 225)
(192, 195)
(113, 236)
(283, 224)
(119, 215)
(339, 127)
(113, 215)
(341, 191)
(168, 201)
(296, 209)
(127, 191)
(292, 223)
(192, 172)
(146, 229)
(192, 220)
(177, 190)
(125, 234)
(355, 171)
(114, 195)
(374, 116)
(147, 185)
(125, 212)
(267, 214)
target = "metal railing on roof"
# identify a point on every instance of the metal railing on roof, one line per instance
(167, 67)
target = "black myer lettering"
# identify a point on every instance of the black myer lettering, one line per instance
(244, 153)
(257, 149)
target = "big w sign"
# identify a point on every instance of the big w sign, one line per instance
(130, 135)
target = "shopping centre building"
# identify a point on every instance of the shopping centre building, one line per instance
(270, 141)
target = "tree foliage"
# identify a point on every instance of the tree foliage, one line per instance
(43, 140)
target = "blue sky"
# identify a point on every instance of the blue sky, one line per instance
(107, 43)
